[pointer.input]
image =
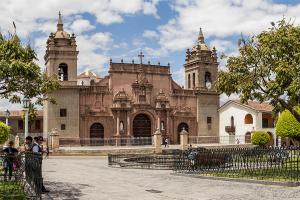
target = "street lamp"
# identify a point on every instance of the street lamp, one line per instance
(7, 114)
(26, 103)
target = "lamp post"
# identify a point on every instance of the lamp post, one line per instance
(26, 103)
(7, 114)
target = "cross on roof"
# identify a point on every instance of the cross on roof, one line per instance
(141, 57)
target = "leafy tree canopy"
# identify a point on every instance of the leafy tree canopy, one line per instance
(287, 125)
(19, 73)
(267, 68)
(4, 132)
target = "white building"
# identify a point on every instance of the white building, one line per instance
(238, 120)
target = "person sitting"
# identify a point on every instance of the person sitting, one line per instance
(10, 156)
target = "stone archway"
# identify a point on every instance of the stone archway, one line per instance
(271, 142)
(142, 126)
(179, 129)
(248, 138)
(97, 134)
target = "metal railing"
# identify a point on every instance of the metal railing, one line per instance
(20, 176)
(230, 139)
(276, 164)
(105, 141)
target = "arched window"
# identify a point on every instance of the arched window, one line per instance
(207, 79)
(92, 82)
(63, 72)
(189, 81)
(194, 80)
(232, 121)
(248, 119)
(163, 106)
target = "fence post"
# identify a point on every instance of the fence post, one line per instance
(184, 139)
(157, 141)
(17, 141)
(54, 140)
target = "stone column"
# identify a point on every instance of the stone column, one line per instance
(156, 142)
(128, 124)
(54, 140)
(158, 120)
(17, 142)
(184, 139)
(167, 125)
(118, 123)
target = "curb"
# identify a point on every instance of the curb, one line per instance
(239, 180)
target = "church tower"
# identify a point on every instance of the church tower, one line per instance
(61, 61)
(201, 68)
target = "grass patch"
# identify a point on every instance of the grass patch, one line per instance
(11, 191)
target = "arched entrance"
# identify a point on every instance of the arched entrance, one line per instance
(271, 142)
(142, 126)
(247, 138)
(180, 128)
(97, 134)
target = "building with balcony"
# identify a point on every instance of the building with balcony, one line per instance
(238, 121)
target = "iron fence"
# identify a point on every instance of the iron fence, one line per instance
(25, 179)
(230, 139)
(272, 163)
(105, 141)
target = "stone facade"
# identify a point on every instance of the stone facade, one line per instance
(16, 122)
(134, 99)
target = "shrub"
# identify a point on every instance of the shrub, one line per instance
(260, 138)
(4, 132)
(287, 125)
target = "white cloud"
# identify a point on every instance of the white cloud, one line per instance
(220, 18)
(150, 34)
(81, 25)
(92, 51)
(150, 8)
(29, 15)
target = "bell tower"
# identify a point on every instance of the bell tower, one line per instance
(61, 55)
(61, 61)
(201, 70)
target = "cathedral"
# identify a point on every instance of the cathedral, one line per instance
(134, 99)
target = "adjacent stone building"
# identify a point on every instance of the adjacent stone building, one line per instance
(134, 99)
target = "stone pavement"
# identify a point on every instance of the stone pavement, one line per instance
(90, 178)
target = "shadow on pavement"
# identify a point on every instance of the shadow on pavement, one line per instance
(63, 190)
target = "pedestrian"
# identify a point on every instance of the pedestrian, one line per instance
(166, 142)
(28, 144)
(10, 157)
(38, 149)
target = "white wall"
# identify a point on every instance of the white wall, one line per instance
(239, 112)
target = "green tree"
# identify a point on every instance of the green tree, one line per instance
(19, 73)
(4, 132)
(267, 68)
(260, 138)
(288, 126)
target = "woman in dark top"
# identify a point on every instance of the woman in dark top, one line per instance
(10, 156)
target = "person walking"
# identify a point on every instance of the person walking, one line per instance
(10, 157)
(38, 149)
(166, 142)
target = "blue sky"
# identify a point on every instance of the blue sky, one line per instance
(162, 29)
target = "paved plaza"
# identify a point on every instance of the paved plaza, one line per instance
(90, 178)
